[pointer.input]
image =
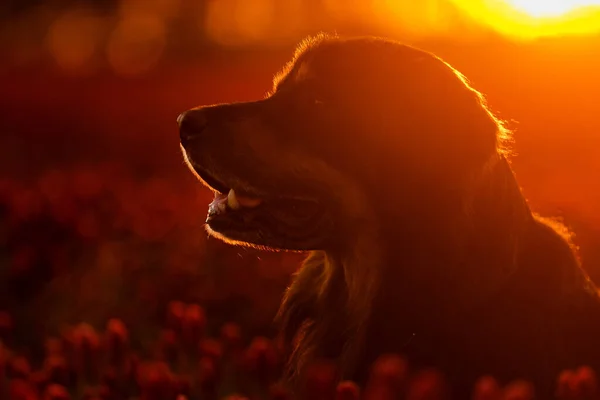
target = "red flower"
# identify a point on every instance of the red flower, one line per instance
(85, 345)
(231, 336)
(586, 383)
(57, 370)
(320, 381)
(577, 385)
(564, 384)
(486, 388)
(427, 385)
(56, 392)
(155, 381)
(167, 346)
(116, 341)
(261, 359)
(19, 368)
(519, 390)
(193, 324)
(347, 390)
(175, 311)
(211, 348)
(20, 389)
(387, 378)
(208, 375)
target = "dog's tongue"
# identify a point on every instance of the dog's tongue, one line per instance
(236, 201)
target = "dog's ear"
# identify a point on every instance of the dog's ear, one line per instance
(439, 119)
(431, 105)
(464, 132)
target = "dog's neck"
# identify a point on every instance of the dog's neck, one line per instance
(432, 277)
(435, 275)
(464, 258)
(326, 310)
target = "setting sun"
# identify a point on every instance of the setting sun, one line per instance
(554, 8)
(529, 19)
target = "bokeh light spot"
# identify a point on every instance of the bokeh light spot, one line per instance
(136, 44)
(73, 38)
(253, 18)
(234, 22)
(166, 9)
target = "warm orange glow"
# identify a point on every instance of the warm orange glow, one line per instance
(235, 22)
(422, 18)
(166, 9)
(538, 8)
(73, 38)
(535, 18)
(136, 44)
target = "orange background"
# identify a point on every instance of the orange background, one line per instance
(89, 96)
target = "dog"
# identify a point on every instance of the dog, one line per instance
(383, 162)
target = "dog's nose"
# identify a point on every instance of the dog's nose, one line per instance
(191, 124)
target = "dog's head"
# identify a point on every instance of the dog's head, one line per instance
(351, 126)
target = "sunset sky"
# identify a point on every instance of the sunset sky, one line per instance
(534, 18)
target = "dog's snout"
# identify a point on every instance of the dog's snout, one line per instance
(191, 124)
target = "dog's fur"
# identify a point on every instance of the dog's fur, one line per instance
(423, 243)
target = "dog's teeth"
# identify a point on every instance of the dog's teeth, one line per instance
(232, 201)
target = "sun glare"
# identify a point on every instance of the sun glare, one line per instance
(536, 18)
(551, 8)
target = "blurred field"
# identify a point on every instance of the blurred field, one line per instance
(101, 219)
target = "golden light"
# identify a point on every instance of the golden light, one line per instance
(234, 22)
(529, 19)
(253, 18)
(400, 18)
(554, 8)
(418, 18)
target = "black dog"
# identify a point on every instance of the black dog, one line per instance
(382, 160)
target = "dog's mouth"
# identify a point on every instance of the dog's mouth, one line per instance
(274, 220)
(227, 198)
